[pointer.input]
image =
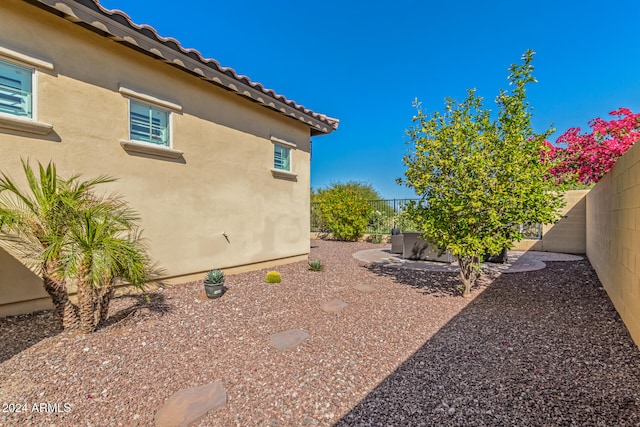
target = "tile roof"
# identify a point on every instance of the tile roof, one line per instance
(119, 27)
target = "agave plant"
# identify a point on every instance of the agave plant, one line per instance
(214, 277)
(316, 265)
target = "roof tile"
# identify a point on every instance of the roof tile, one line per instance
(120, 17)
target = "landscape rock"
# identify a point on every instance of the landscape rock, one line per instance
(189, 405)
(364, 288)
(333, 306)
(288, 339)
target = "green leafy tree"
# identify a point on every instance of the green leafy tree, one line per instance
(345, 213)
(377, 220)
(362, 189)
(43, 228)
(479, 178)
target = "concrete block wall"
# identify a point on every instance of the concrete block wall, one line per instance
(568, 235)
(613, 236)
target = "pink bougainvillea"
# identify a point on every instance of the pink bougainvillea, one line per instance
(586, 157)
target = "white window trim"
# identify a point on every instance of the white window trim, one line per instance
(145, 142)
(280, 141)
(167, 105)
(150, 149)
(281, 173)
(26, 124)
(144, 147)
(25, 59)
(290, 157)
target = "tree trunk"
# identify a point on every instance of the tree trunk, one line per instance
(86, 305)
(65, 310)
(104, 296)
(466, 270)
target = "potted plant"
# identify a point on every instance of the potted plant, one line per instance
(214, 284)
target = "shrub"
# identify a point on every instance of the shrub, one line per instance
(586, 157)
(315, 265)
(377, 238)
(345, 213)
(405, 222)
(381, 219)
(273, 277)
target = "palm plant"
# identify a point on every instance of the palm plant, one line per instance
(64, 232)
(104, 248)
(34, 224)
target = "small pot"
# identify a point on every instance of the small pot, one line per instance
(214, 290)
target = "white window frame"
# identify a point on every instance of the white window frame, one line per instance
(22, 123)
(27, 77)
(282, 173)
(144, 147)
(167, 140)
(286, 157)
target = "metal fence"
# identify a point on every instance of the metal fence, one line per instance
(532, 231)
(385, 216)
(390, 214)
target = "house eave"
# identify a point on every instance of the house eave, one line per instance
(118, 27)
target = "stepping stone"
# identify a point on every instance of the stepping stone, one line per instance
(189, 405)
(364, 288)
(333, 306)
(288, 339)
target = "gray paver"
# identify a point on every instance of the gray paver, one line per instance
(333, 306)
(189, 405)
(364, 288)
(288, 339)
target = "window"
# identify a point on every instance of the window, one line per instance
(19, 75)
(282, 152)
(281, 157)
(148, 123)
(16, 91)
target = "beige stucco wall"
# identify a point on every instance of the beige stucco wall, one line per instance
(222, 184)
(613, 236)
(568, 234)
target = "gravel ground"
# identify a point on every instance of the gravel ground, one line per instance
(538, 348)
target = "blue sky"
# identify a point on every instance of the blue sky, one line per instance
(364, 62)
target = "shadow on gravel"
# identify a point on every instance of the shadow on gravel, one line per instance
(24, 330)
(436, 283)
(137, 307)
(538, 348)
